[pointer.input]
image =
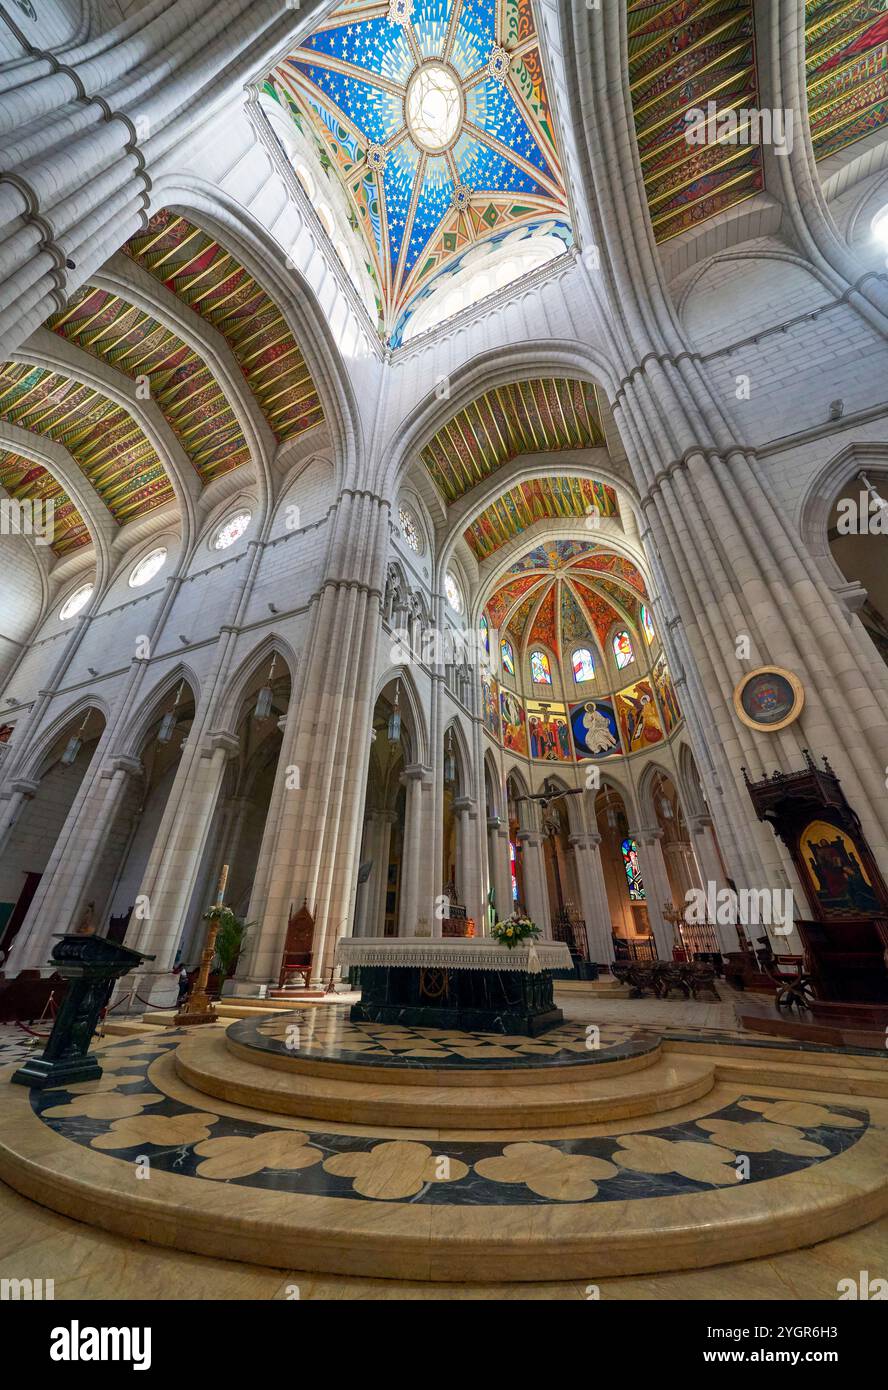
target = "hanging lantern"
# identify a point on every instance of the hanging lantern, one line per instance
(266, 694)
(394, 724)
(74, 744)
(170, 719)
(449, 760)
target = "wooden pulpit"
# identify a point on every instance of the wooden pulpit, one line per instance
(296, 959)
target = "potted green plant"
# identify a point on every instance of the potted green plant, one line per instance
(230, 938)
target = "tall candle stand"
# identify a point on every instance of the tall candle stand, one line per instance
(198, 1007)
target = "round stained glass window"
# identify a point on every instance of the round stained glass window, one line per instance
(147, 568)
(409, 528)
(74, 602)
(451, 589)
(434, 107)
(232, 530)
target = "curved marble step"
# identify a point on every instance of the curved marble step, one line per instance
(404, 1239)
(494, 1102)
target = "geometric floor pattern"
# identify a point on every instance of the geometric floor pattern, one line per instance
(125, 1115)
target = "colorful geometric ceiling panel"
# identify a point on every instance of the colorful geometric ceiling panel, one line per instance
(684, 54)
(210, 281)
(28, 482)
(551, 596)
(177, 378)
(846, 59)
(436, 118)
(526, 417)
(537, 500)
(101, 437)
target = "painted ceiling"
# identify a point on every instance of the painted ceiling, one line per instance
(565, 592)
(27, 481)
(436, 118)
(180, 382)
(537, 500)
(846, 58)
(684, 54)
(207, 278)
(526, 417)
(104, 440)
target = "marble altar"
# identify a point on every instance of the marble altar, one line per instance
(473, 983)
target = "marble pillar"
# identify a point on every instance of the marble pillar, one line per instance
(593, 895)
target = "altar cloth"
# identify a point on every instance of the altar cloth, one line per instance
(450, 953)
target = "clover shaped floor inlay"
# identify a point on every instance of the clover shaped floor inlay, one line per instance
(125, 1115)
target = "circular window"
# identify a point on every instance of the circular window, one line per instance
(409, 529)
(451, 590)
(147, 568)
(232, 530)
(434, 107)
(74, 602)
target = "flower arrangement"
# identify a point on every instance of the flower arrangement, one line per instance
(514, 931)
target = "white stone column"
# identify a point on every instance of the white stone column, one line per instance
(77, 853)
(17, 796)
(377, 922)
(712, 872)
(535, 889)
(500, 865)
(656, 886)
(468, 869)
(174, 866)
(413, 778)
(593, 895)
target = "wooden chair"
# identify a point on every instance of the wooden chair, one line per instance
(297, 955)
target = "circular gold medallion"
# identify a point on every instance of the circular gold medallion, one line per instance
(769, 698)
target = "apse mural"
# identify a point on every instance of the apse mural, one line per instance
(669, 706)
(594, 728)
(514, 723)
(547, 732)
(490, 705)
(637, 714)
(436, 121)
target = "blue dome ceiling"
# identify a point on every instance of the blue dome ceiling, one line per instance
(435, 116)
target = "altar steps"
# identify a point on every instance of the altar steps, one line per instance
(568, 1096)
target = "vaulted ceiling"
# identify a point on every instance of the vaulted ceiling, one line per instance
(545, 415)
(847, 71)
(436, 117)
(565, 592)
(538, 499)
(25, 480)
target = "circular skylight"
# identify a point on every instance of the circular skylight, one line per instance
(232, 530)
(147, 567)
(74, 602)
(451, 589)
(433, 108)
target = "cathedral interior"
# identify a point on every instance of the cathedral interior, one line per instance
(444, 649)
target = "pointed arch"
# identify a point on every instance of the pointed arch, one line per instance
(410, 694)
(34, 767)
(148, 709)
(271, 645)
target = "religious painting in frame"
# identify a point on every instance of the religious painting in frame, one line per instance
(769, 698)
(638, 718)
(669, 706)
(490, 705)
(514, 723)
(836, 872)
(593, 725)
(548, 734)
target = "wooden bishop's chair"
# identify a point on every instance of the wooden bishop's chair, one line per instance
(297, 955)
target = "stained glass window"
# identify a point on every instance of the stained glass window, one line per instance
(73, 604)
(147, 568)
(539, 668)
(513, 870)
(409, 528)
(647, 624)
(623, 650)
(485, 633)
(451, 589)
(584, 665)
(633, 877)
(508, 657)
(232, 531)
